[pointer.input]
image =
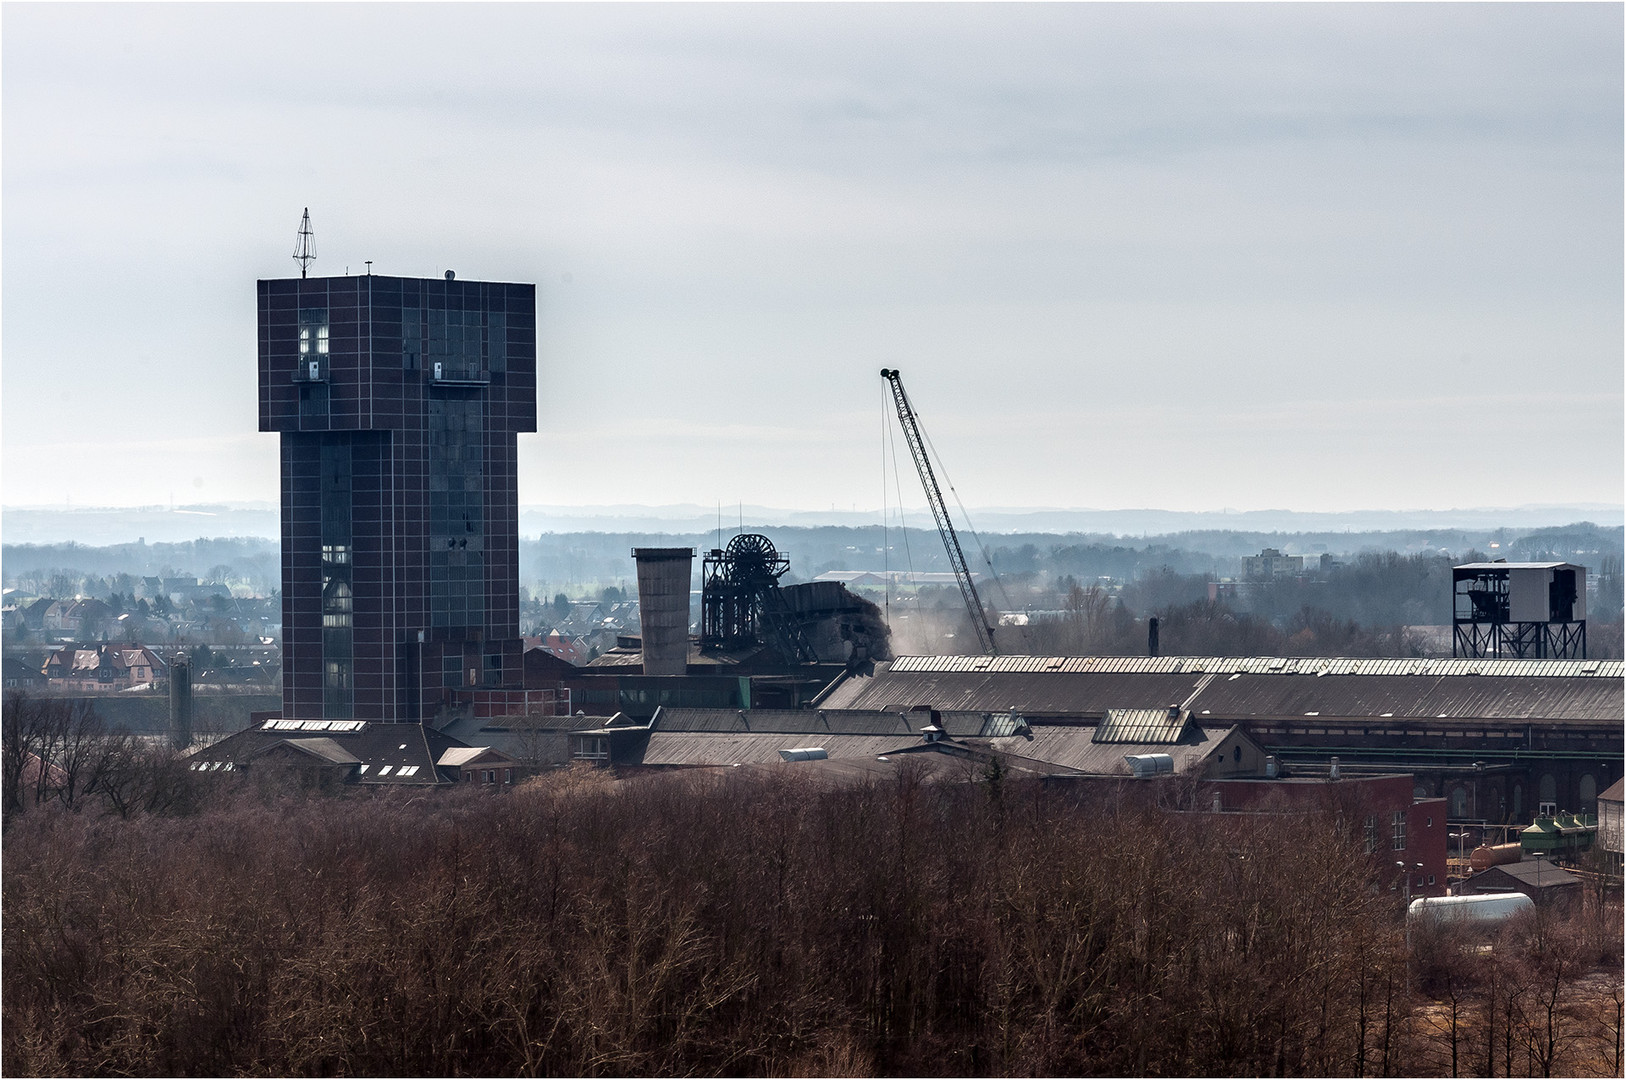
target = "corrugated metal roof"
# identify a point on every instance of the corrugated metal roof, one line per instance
(1141, 726)
(859, 770)
(1075, 748)
(713, 748)
(1086, 687)
(1069, 694)
(817, 721)
(1526, 699)
(1280, 665)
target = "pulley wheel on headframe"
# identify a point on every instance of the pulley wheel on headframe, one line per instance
(753, 557)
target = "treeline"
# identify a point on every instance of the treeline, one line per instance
(60, 752)
(78, 569)
(1361, 608)
(745, 924)
(1092, 624)
(585, 562)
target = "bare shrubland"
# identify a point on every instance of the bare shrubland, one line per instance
(761, 924)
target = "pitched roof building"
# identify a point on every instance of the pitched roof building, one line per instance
(104, 667)
(334, 752)
(1496, 738)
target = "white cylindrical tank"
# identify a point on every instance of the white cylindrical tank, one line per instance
(1485, 907)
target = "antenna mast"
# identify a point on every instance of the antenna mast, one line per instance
(305, 248)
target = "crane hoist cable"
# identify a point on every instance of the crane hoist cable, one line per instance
(945, 527)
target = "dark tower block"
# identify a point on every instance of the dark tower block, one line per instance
(399, 401)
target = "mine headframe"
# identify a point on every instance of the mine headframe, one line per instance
(740, 601)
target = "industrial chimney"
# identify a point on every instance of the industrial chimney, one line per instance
(663, 607)
(180, 701)
(1151, 636)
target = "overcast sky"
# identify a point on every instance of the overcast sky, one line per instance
(1316, 257)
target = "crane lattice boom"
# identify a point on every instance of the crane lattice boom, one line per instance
(934, 495)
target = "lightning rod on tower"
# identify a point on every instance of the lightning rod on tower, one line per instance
(305, 249)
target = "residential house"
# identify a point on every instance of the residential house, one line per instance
(482, 765)
(104, 667)
(77, 616)
(19, 676)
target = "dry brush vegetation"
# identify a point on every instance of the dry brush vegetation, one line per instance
(745, 925)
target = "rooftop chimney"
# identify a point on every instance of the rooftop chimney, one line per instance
(1151, 636)
(663, 608)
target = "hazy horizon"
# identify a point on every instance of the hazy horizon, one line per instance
(100, 526)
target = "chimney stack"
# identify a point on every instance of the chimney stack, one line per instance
(663, 608)
(180, 701)
(1151, 636)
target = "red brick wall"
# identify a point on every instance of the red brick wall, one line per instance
(1377, 797)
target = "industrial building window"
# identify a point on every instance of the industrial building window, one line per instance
(313, 334)
(337, 605)
(313, 347)
(456, 512)
(496, 342)
(1371, 833)
(337, 596)
(411, 337)
(337, 678)
(592, 748)
(1399, 842)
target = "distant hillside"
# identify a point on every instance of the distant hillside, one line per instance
(183, 524)
(567, 560)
